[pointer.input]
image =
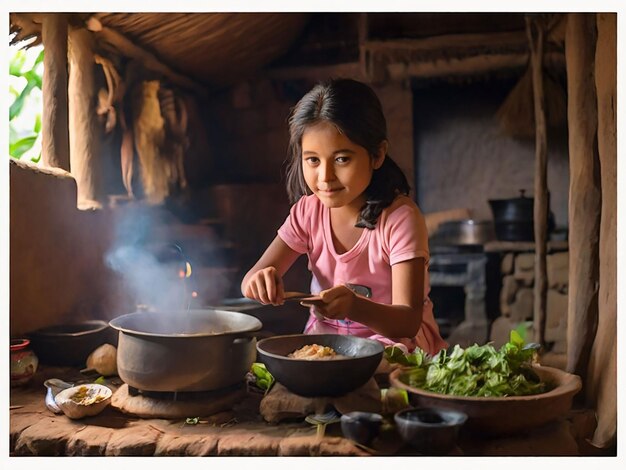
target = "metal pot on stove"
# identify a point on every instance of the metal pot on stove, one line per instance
(185, 351)
(463, 232)
(514, 218)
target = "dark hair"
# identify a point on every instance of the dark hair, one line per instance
(355, 109)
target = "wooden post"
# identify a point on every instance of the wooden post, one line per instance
(536, 32)
(363, 34)
(584, 194)
(602, 386)
(55, 150)
(84, 140)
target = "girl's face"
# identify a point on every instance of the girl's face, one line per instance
(336, 169)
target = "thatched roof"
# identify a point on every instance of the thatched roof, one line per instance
(221, 49)
(213, 49)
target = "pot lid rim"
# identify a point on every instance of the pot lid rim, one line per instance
(253, 328)
(98, 326)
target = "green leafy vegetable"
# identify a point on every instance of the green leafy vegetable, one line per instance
(396, 355)
(262, 377)
(394, 399)
(480, 371)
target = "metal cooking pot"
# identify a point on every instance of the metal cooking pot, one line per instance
(463, 232)
(195, 350)
(319, 378)
(514, 218)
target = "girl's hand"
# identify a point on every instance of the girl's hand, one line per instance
(266, 286)
(337, 302)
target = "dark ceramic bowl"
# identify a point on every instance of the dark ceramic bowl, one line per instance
(361, 426)
(430, 431)
(321, 378)
(70, 344)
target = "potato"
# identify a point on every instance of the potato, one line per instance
(103, 360)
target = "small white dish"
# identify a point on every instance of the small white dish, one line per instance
(83, 400)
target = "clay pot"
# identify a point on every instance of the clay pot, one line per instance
(331, 378)
(24, 362)
(361, 426)
(430, 431)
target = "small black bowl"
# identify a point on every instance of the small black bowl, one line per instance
(430, 431)
(361, 426)
(70, 344)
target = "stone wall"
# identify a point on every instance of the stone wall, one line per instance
(517, 297)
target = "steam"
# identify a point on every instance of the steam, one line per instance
(149, 267)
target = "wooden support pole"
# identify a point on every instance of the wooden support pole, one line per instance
(602, 388)
(84, 134)
(536, 32)
(363, 34)
(55, 151)
(584, 193)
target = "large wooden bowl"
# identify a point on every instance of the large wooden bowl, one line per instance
(506, 415)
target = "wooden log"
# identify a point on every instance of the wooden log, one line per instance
(148, 60)
(85, 161)
(55, 151)
(535, 29)
(363, 34)
(25, 27)
(438, 44)
(584, 195)
(317, 73)
(467, 66)
(602, 388)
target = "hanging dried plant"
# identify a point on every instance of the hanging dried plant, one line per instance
(149, 134)
(516, 115)
(160, 137)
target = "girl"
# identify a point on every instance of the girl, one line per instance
(353, 219)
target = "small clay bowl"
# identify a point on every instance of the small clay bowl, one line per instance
(430, 431)
(361, 426)
(93, 399)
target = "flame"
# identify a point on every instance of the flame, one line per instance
(194, 294)
(184, 273)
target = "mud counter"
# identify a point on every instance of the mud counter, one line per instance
(237, 430)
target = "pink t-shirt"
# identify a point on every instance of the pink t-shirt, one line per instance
(400, 235)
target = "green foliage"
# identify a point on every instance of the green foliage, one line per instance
(21, 140)
(480, 371)
(263, 378)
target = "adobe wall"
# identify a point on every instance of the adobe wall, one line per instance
(57, 272)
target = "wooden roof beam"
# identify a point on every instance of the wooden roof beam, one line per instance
(126, 47)
(466, 66)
